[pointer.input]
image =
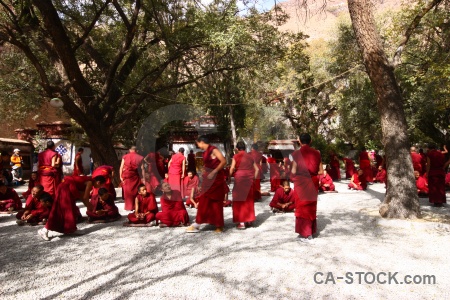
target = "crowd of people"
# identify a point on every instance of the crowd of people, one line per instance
(51, 199)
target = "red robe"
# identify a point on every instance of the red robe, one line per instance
(189, 185)
(257, 157)
(326, 179)
(436, 177)
(37, 210)
(153, 176)
(447, 179)
(306, 187)
(12, 200)
(191, 163)
(131, 179)
(281, 197)
(381, 176)
(416, 161)
(106, 171)
(175, 170)
(64, 213)
(31, 185)
(359, 182)
(112, 211)
(423, 162)
(275, 178)
(335, 172)
(78, 165)
(422, 186)
(145, 204)
(349, 167)
(243, 201)
(173, 212)
(210, 206)
(364, 164)
(46, 173)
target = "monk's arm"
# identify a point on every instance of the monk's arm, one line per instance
(294, 167)
(86, 196)
(183, 168)
(320, 172)
(121, 169)
(136, 207)
(54, 161)
(255, 166)
(232, 167)
(168, 165)
(222, 160)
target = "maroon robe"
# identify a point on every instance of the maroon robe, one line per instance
(381, 176)
(349, 167)
(153, 176)
(326, 179)
(173, 212)
(359, 182)
(46, 173)
(31, 185)
(175, 170)
(280, 197)
(78, 165)
(210, 206)
(11, 200)
(335, 171)
(189, 185)
(306, 187)
(257, 157)
(436, 177)
(423, 162)
(243, 202)
(275, 176)
(64, 213)
(38, 211)
(364, 164)
(422, 186)
(131, 179)
(147, 205)
(191, 163)
(106, 171)
(112, 211)
(416, 161)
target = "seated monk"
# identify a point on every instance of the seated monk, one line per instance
(37, 207)
(283, 200)
(326, 183)
(173, 212)
(421, 184)
(31, 184)
(358, 181)
(103, 207)
(191, 183)
(9, 200)
(145, 208)
(381, 175)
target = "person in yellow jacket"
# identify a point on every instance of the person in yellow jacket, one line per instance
(17, 161)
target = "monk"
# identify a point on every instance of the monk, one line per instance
(145, 209)
(421, 184)
(381, 175)
(108, 173)
(31, 184)
(436, 176)
(9, 200)
(177, 168)
(365, 165)
(78, 169)
(349, 167)
(358, 181)
(152, 175)
(245, 171)
(191, 185)
(306, 168)
(284, 199)
(423, 162)
(335, 171)
(65, 213)
(192, 166)
(326, 182)
(37, 209)
(447, 181)
(129, 176)
(257, 158)
(48, 163)
(416, 159)
(275, 176)
(103, 207)
(287, 165)
(264, 167)
(210, 206)
(173, 212)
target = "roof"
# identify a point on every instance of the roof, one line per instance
(14, 141)
(283, 145)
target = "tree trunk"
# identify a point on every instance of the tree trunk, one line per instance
(232, 127)
(401, 200)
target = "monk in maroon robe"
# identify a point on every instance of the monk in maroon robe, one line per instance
(9, 200)
(145, 209)
(257, 157)
(335, 168)
(416, 160)
(365, 165)
(210, 206)
(284, 199)
(349, 167)
(191, 184)
(245, 171)
(78, 169)
(152, 176)
(103, 207)
(326, 182)
(306, 166)
(31, 184)
(177, 168)
(436, 176)
(264, 166)
(108, 173)
(275, 176)
(173, 212)
(423, 162)
(65, 213)
(37, 209)
(421, 184)
(47, 168)
(358, 181)
(129, 175)
(192, 164)
(381, 175)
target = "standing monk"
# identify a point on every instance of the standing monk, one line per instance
(78, 164)
(436, 176)
(129, 175)
(364, 164)
(191, 162)
(306, 166)
(210, 206)
(153, 173)
(349, 167)
(48, 162)
(274, 173)
(245, 172)
(257, 157)
(416, 160)
(177, 167)
(335, 171)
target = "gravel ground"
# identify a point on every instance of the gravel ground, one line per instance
(109, 261)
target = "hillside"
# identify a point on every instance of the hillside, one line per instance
(319, 23)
